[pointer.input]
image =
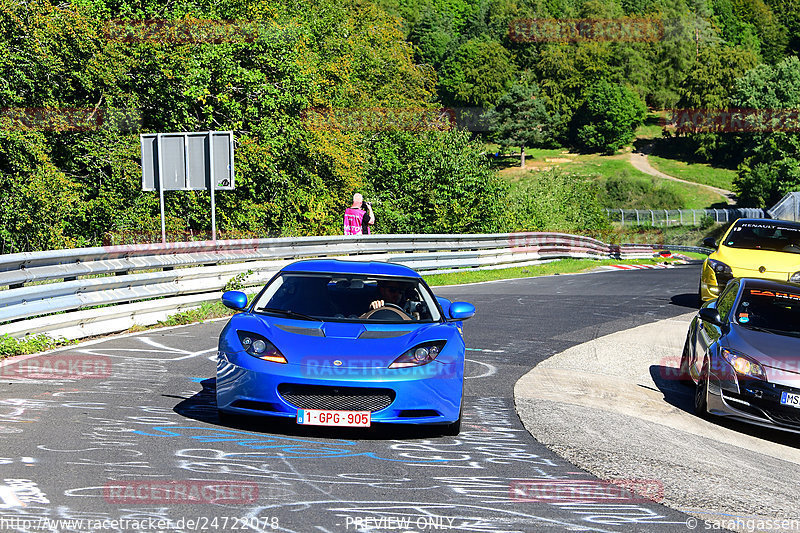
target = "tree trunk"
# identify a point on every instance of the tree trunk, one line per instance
(522, 157)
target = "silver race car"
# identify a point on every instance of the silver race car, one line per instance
(742, 354)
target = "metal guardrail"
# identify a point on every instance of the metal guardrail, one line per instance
(680, 217)
(50, 291)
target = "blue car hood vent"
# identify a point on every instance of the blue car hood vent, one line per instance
(343, 330)
(311, 332)
(383, 334)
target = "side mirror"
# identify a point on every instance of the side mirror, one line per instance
(708, 242)
(461, 310)
(709, 314)
(235, 300)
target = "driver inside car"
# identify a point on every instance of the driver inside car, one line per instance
(389, 292)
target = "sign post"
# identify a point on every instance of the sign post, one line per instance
(187, 161)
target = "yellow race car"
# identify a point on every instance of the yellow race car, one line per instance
(752, 248)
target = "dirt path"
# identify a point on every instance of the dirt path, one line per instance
(640, 162)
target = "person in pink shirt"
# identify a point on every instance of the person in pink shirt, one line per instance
(356, 219)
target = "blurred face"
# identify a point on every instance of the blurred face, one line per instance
(390, 292)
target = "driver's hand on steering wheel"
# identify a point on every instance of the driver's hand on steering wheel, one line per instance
(376, 304)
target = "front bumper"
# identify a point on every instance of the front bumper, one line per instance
(430, 394)
(712, 283)
(751, 400)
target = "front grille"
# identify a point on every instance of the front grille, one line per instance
(783, 417)
(336, 398)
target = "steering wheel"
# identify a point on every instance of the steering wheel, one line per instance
(387, 307)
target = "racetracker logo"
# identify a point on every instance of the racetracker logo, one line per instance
(58, 367)
(180, 492)
(586, 490)
(187, 31)
(65, 119)
(581, 30)
(359, 368)
(378, 119)
(731, 120)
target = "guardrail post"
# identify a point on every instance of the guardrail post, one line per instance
(637, 217)
(694, 217)
(666, 218)
(622, 214)
(716, 215)
(652, 217)
(680, 214)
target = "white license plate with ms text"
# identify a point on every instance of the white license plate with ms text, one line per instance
(319, 417)
(790, 399)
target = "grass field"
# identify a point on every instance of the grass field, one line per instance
(695, 172)
(651, 129)
(603, 167)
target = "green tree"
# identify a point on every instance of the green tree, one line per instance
(434, 182)
(770, 168)
(478, 73)
(521, 119)
(709, 85)
(607, 118)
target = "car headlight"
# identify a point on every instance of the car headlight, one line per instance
(419, 355)
(744, 365)
(258, 346)
(795, 277)
(722, 272)
(719, 267)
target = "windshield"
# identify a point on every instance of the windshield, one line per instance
(776, 311)
(765, 236)
(348, 298)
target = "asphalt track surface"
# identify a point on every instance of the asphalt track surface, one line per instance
(96, 450)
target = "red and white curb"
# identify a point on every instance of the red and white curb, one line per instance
(637, 267)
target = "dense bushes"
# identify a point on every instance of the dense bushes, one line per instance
(556, 201)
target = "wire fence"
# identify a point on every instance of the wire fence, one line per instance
(680, 217)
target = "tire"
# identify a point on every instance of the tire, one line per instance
(454, 428)
(701, 394)
(684, 378)
(699, 296)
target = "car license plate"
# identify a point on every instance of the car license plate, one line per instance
(790, 399)
(319, 417)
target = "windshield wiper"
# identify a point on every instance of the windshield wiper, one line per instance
(288, 312)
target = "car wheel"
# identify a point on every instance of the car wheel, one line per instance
(701, 394)
(453, 429)
(683, 372)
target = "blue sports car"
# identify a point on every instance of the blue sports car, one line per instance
(344, 343)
